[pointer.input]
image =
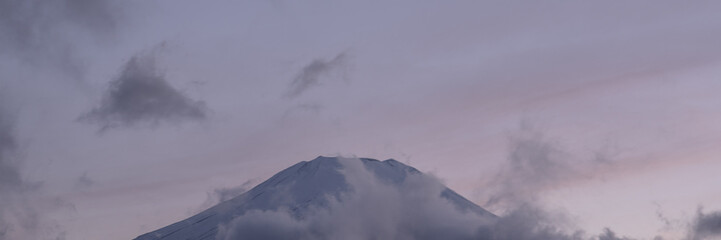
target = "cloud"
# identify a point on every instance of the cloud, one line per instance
(529, 222)
(22, 204)
(610, 235)
(16, 217)
(668, 223)
(534, 163)
(224, 194)
(219, 195)
(414, 209)
(372, 209)
(45, 33)
(141, 95)
(705, 226)
(312, 74)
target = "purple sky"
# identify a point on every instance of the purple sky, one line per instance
(626, 92)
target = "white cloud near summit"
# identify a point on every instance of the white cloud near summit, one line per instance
(373, 209)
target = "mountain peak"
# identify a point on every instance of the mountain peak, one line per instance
(321, 186)
(334, 160)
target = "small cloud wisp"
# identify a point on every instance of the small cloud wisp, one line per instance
(312, 74)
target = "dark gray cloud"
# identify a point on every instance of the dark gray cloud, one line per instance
(45, 33)
(610, 235)
(312, 74)
(141, 95)
(705, 226)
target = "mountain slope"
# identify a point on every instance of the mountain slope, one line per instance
(319, 193)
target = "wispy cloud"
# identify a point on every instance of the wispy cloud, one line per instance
(312, 74)
(141, 95)
(536, 163)
(23, 206)
(45, 33)
(223, 194)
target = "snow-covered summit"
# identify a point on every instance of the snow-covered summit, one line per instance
(323, 183)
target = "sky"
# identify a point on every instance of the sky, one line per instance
(121, 117)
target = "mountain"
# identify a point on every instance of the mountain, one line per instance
(331, 198)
